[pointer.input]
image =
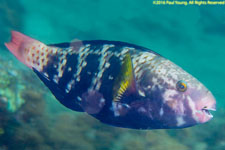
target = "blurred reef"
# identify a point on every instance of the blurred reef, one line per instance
(11, 87)
(32, 119)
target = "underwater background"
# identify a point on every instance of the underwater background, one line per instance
(31, 118)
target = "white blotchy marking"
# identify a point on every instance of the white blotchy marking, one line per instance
(83, 53)
(142, 60)
(79, 98)
(141, 93)
(103, 65)
(55, 66)
(115, 109)
(78, 79)
(126, 105)
(163, 71)
(161, 112)
(110, 77)
(192, 107)
(102, 100)
(155, 80)
(84, 63)
(125, 50)
(64, 62)
(134, 64)
(167, 96)
(191, 103)
(106, 47)
(46, 75)
(107, 65)
(174, 75)
(180, 121)
(137, 69)
(67, 91)
(199, 87)
(142, 109)
(69, 85)
(56, 79)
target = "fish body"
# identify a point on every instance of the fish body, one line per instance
(118, 83)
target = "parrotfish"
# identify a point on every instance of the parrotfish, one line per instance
(118, 83)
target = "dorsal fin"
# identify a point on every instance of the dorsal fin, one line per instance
(124, 82)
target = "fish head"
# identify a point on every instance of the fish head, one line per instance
(179, 99)
(198, 101)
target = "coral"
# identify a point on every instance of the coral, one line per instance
(33, 107)
(149, 140)
(11, 85)
(65, 135)
(27, 137)
(165, 142)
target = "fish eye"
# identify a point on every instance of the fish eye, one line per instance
(181, 86)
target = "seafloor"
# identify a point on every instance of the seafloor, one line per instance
(30, 117)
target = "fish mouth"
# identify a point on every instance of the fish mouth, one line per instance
(205, 106)
(207, 111)
(204, 115)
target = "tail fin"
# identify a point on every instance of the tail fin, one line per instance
(26, 49)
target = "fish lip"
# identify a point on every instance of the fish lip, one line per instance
(210, 109)
(207, 111)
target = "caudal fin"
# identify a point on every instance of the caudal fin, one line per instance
(25, 48)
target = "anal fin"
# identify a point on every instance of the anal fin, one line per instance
(58, 93)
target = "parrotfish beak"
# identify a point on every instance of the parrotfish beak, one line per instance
(203, 108)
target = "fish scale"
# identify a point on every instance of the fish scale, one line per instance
(86, 81)
(118, 83)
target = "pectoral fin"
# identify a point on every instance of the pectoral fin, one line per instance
(124, 83)
(92, 102)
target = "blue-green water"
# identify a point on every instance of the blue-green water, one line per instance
(191, 36)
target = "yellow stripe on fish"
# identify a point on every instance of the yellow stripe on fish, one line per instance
(125, 78)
